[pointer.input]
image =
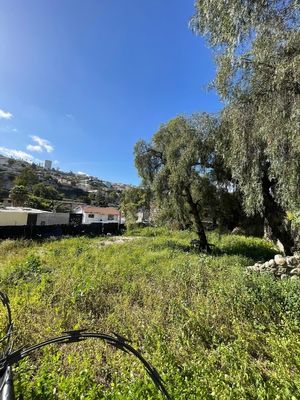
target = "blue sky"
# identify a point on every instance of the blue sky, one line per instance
(82, 81)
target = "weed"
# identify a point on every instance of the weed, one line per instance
(212, 331)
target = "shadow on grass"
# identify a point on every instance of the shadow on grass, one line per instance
(173, 245)
(247, 247)
(254, 248)
(255, 252)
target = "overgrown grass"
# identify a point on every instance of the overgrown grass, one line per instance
(210, 330)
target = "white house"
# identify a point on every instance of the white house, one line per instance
(92, 214)
(84, 184)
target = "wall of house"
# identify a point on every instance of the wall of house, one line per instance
(87, 219)
(13, 218)
(53, 219)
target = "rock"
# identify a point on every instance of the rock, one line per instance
(271, 263)
(281, 270)
(292, 260)
(257, 264)
(253, 268)
(238, 231)
(295, 271)
(284, 276)
(280, 246)
(279, 259)
(280, 267)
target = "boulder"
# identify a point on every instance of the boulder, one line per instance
(266, 265)
(280, 267)
(253, 268)
(271, 263)
(279, 259)
(295, 271)
(281, 270)
(292, 260)
(284, 276)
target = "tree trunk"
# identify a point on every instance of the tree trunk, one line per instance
(203, 243)
(275, 216)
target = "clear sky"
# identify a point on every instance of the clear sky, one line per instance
(82, 81)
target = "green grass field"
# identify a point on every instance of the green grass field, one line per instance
(212, 331)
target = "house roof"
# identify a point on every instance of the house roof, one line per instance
(101, 210)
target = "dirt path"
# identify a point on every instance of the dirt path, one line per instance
(116, 240)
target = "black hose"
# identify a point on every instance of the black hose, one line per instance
(9, 357)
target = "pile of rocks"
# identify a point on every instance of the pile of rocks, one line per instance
(281, 267)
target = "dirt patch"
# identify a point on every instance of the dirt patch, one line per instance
(116, 240)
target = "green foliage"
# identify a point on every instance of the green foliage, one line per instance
(19, 195)
(105, 197)
(258, 55)
(210, 330)
(149, 231)
(134, 199)
(46, 191)
(179, 168)
(28, 271)
(98, 199)
(32, 193)
(294, 220)
(39, 203)
(27, 177)
(113, 197)
(42, 196)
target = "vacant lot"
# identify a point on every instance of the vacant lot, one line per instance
(210, 330)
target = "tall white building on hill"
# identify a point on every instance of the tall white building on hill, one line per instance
(48, 164)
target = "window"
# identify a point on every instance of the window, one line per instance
(110, 217)
(91, 215)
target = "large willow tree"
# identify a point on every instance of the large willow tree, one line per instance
(179, 166)
(257, 48)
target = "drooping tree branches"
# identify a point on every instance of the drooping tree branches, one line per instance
(257, 48)
(178, 166)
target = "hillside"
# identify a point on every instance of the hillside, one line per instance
(212, 331)
(72, 187)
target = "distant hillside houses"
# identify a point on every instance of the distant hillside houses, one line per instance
(71, 186)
